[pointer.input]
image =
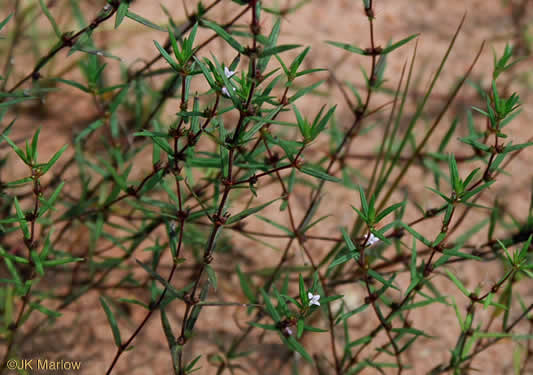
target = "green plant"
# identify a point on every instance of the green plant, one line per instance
(239, 130)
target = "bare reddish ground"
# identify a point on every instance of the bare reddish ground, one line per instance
(83, 333)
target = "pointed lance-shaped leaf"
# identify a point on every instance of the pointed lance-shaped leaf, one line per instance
(398, 44)
(223, 34)
(112, 322)
(250, 211)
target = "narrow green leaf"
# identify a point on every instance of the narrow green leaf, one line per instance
(278, 49)
(270, 308)
(411, 331)
(351, 313)
(53, 160)
(347, 47)
(268, 327)
(298, 61)
(134, 302)
(5, 21)
(458, 283)
(37, 262)
(250, 211)
(156, 276)
(223, 34)
(448, 136)
(360, 341)
(49, 204)
(348, 240)
(22, 181)
(50, 313)
(364, 202)
(112, 322)
(312, 170)
(121, 13)
(305, 130)
(143, 21)
(273, 223)
(398, 44)
(166, 56)
(167, 329)
(300, 328)
(304, 91)
(454, 175)
(381, 279)
(190, 366)
(211, 276)
(296, 346)
(48, 15)
(206, 73)
(343, 258)
(17, 150)
(303, 290)
(9, 103)
(460, 254)
(322, 123)
(388, 210)
(22, 219)
(34, 142)
(245, 286)
(88, 130)
(417, 235)
(61, 261)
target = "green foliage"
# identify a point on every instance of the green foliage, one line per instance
(166, 199)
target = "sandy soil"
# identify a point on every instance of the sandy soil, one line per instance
(83, 333)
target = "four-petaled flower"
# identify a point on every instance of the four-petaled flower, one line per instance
(228, 73)
(372, 240)
(313, 299)
(225, 91)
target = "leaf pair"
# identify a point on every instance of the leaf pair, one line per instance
(311, 131)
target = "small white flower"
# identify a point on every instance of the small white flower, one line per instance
(313, 299)
(172, 231)
(228, 72)
(226, 92)
(372, 240)
(288, 331)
